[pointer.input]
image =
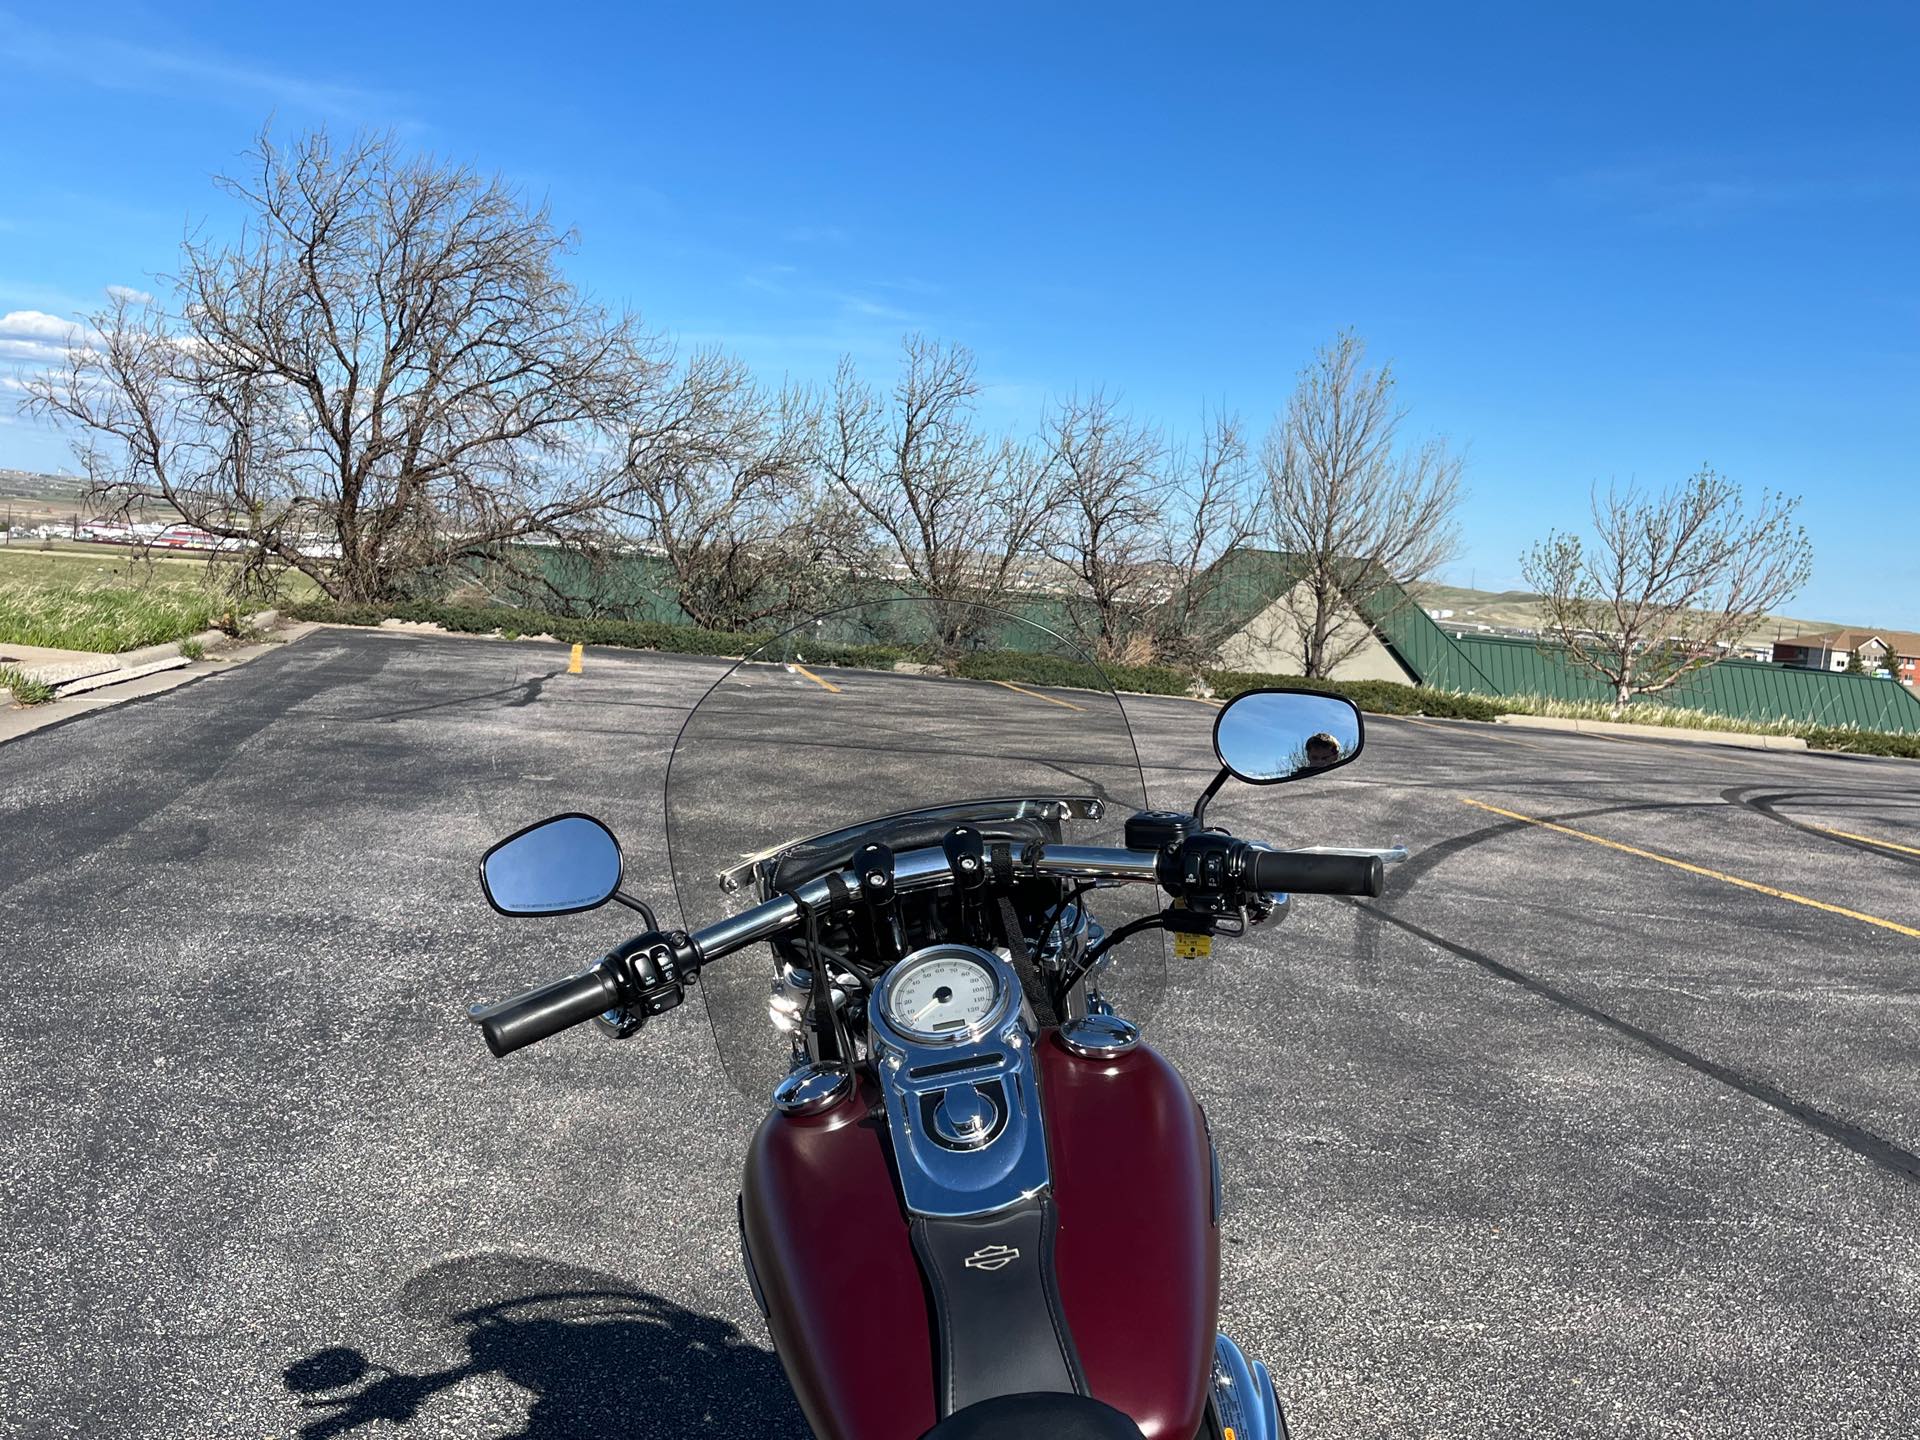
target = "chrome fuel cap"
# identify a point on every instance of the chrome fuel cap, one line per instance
(1099, 1037)
(964, 1116)
(810, 1089)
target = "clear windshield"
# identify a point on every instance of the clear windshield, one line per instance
(853, 726)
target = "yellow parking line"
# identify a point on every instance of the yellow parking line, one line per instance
(1022, 690)
(1865, 839)
(1755, 886)
(823, 684)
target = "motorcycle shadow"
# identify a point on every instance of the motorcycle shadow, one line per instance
(600, 1358)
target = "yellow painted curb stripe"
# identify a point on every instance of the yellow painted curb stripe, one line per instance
(1755, 886)
(1021, 689)
(573, 660)
(1865, 839)
(823, 684)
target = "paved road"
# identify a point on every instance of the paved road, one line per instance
(1556, 1138)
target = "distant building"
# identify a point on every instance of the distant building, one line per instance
(1894, 651)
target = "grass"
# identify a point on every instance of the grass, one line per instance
(1646, 712)
(68, 563)
(109, 618)
(25, 691)
(1678, 717)
(109, 599)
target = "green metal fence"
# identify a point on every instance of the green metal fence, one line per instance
(1739, 689)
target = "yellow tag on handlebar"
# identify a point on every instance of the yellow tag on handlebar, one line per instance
(1192, 947)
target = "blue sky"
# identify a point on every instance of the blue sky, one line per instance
(1610, 245)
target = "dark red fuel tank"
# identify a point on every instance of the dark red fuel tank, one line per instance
(1137, 1254)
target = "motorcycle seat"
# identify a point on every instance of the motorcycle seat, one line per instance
(1036, 1416)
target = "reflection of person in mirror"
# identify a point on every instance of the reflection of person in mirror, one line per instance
(1322, 750)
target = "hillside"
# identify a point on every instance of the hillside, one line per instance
(1520, 609)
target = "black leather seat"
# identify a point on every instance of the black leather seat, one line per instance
(1036, 1417)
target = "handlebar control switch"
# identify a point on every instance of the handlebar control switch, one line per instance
(1203, 870)
(654, 969)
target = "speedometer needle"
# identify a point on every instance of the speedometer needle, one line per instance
(930, 1005)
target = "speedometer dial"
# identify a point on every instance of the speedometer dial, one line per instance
(945, 994)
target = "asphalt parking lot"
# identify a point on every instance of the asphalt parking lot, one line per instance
(1608, 1129)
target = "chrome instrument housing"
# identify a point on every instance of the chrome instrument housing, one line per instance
(952, 1161)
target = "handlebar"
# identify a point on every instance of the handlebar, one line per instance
(548, 1009)
(1310, 873)
(1307, 872)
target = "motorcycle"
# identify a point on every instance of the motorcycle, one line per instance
(980, 1206)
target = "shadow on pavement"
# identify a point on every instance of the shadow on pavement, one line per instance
(598, 1357)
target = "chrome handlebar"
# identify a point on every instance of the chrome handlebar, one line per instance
(914, 870)
(925, 868)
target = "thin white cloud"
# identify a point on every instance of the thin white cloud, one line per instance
(185, 73)
(32, 352)
(873, 310)
(1672, 193)
(130, 295)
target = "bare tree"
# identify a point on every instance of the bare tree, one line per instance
(953, 512)
(1671, 582)
(1209, 511)
(383, 375)
(1107, 530)
(1354, 509)
(722, 491)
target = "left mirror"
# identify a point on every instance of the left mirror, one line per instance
(568, 863)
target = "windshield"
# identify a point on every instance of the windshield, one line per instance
(852, 727)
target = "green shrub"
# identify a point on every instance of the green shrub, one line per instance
(486, 619)
(1376, 697)
(1070, 674)
(193, 650)
(1861, 742)
(25, 691)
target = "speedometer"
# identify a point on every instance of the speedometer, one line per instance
(943, 993)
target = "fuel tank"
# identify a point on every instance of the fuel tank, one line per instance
(1136, 1255)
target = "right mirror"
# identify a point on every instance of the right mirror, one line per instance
(1266, 736)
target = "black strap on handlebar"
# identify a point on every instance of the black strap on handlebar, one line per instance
(831, 1043)
(1026, 966)
(1000, 856)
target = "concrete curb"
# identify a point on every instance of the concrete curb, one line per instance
(121, 674)
(1732, 738)
(119, 687)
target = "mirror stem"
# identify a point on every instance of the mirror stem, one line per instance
(1200, 805)
(621, 897)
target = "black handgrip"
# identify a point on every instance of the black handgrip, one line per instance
(1305, 874)
(546, 1010)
